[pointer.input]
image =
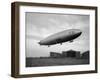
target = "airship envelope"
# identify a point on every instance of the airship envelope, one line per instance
(61, 37)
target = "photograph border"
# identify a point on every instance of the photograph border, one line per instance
(15, 32)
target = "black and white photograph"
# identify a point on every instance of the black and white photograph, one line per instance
(53, 39)
(56, 39)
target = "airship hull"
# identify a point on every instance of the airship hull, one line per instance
(61, 37)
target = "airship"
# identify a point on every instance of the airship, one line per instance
(61, 37)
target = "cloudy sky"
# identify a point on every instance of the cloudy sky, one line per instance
(40, 25)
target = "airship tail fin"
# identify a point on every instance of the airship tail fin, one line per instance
(39, 43)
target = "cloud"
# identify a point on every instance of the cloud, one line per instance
(41, 25)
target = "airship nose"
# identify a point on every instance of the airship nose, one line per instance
(79, 32)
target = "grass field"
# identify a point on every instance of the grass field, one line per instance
(36, 62)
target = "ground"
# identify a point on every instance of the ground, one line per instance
(48, 61)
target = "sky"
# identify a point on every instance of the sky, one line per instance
(41, 25)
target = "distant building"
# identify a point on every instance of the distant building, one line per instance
(64, 53)
(55, 55)
(78, 55)
(71, 53)
(85, 55)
